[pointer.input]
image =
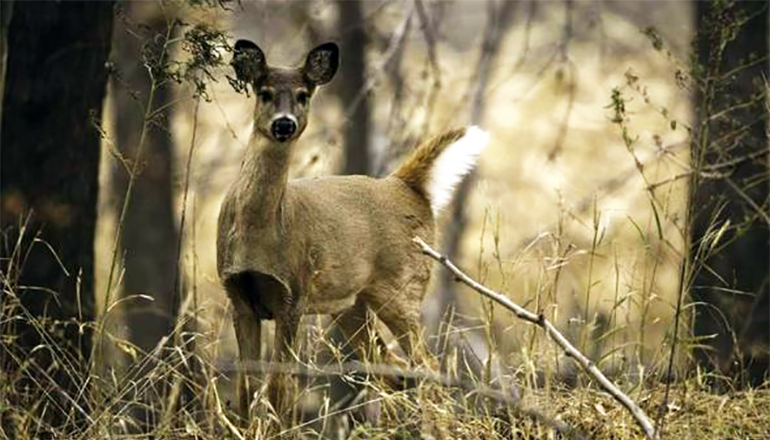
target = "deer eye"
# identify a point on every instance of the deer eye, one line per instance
(265, 96)
(303, 97)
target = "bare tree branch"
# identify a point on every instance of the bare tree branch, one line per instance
(541, 321)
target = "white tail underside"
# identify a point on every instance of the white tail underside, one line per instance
(452, 165)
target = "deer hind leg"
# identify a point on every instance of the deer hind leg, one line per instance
(358, 326)
(399, 309)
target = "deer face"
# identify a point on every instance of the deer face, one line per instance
(283, 95)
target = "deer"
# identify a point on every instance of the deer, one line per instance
(337, 245)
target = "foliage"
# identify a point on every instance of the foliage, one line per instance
(206, 47)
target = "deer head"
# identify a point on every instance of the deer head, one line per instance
(283, 95)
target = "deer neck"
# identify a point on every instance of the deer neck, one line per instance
(263, 178)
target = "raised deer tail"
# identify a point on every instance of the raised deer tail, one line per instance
(437, 165)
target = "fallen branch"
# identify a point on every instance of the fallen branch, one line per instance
(540, 320)
(380, 370)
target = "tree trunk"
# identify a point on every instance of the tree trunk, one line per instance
(351, 88)
(150, 236)
(499, 20)
(54, 88)
(730, 285)
(6, 12)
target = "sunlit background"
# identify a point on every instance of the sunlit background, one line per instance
(564, 215)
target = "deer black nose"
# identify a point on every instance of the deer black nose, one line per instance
(283, 128)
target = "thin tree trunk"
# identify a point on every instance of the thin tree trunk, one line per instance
(6, 12)
(731, 288)
(150, 234)
(499, 19)
(54, 88)
(351, 86)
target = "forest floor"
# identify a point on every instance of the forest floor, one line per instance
(693, 413)
(432, 412)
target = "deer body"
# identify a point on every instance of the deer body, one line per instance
(334, 245)
(359, 233)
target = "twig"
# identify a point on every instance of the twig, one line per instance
(221, 414)
(541, 321)
(703, 174)
(188, 170)
(684, 269)
(760, 211)
(738, 160)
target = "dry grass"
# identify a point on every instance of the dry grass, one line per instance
(693, 413)
(435, 407)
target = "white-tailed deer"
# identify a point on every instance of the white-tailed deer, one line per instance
(338, 245)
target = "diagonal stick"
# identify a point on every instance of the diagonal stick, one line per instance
(541, 321)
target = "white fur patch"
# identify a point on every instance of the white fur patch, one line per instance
(457, 160)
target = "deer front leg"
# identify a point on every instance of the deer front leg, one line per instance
(248, 332)
(280, 386)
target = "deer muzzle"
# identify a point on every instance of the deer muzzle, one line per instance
(283, 127)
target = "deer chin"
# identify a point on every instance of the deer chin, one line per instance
(282, 138)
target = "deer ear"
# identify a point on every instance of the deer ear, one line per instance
(322, 63)
(248, 61)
